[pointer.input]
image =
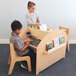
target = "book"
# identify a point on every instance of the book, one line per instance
(56, 42)
(49, 46)
(35, 27)
(62, 40)
(43, 27)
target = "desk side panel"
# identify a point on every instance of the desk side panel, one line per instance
(45, 60)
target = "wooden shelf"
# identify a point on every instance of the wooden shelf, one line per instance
(55, 48)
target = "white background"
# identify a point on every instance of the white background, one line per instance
(51, 12)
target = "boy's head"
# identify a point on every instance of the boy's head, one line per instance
(31, 6)
(16, 27)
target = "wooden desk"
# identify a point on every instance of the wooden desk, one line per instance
(44, 60)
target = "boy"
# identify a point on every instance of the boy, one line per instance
(21, 47)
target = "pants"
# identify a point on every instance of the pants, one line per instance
(32, 55)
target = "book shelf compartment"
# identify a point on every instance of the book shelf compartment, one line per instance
(55, 48)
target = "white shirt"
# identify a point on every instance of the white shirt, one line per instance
(32, 19)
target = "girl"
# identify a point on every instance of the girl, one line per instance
(31, 16)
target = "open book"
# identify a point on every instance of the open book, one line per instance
(43, 27)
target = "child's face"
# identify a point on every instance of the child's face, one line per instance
(18, 31)
(32, 9)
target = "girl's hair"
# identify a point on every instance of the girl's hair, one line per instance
(30, 4)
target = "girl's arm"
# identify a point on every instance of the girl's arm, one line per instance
(38, 19)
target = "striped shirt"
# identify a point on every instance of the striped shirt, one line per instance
(18, 44)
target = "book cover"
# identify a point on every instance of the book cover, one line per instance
(49, 46)
(62, 40)
(56, 42)
(35, 27)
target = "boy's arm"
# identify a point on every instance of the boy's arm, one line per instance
(20, 45)
(23, 48)
(27, 44)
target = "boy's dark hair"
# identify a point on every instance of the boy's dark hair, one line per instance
(16, 25)
(30, 4)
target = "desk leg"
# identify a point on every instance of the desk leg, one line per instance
(37, 71)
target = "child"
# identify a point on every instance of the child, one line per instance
(21, 47)
(31, 17)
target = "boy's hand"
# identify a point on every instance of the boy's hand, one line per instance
(27, 40)
(27, 43)
(22, 37)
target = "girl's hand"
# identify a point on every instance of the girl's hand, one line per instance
(38, 24)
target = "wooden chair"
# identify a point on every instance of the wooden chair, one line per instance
(67, 30)
(15, 58)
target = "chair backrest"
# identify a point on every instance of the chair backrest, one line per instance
(67, 30)
(12, 51)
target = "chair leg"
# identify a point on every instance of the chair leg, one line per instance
(29, 65)
(68, 46)
(9, 60)
(11, 67)
(68, 40)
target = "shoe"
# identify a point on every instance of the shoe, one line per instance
(22, 66)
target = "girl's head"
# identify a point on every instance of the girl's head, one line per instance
(31, 6)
